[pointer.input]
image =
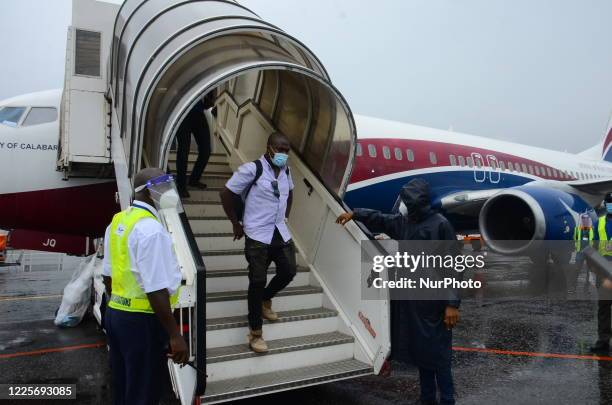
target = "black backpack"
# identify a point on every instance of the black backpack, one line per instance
(240, 200)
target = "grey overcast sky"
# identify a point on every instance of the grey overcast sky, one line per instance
(537, 72)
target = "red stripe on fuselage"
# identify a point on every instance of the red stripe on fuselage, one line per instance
(367, 167)
(607, 142)
(82, 210)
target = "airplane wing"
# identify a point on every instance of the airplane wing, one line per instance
(467, 202)
(593, 187)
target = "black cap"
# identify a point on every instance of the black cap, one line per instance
(608, 198)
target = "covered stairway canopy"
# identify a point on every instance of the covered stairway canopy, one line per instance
(167, 54)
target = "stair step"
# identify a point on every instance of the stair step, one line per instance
(245, 272)
(233, 330)
(234, 303)
(193, 156)
(287, 353)
(211, 167)
(207, 210)
(283, 316)
(242, 351)
(260, 384)
(208, 195)
(241, 282)
(242, 294)
(218, 241)
(211, 225)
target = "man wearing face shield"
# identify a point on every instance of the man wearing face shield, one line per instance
(421, 330)
(142, 279)
(264, 189)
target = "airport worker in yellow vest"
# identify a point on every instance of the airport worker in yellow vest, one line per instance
(142, 279)
(604, 302)
(583, 238)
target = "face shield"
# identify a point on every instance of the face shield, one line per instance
(163, 192)
(586, 221)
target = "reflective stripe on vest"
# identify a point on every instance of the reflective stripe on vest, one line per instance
(578, 238)
(127, 294)
(603, 238)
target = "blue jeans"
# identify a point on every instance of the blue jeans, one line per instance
(444, 380)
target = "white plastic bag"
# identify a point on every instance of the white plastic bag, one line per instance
(77, 295)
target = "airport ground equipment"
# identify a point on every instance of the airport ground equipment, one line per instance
(132, 73)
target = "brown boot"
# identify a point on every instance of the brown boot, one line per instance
(256, 342)
(267, 312)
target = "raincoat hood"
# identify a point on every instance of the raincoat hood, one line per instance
(415, 195)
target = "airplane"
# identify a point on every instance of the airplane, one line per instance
(42, 208)
(506, 190)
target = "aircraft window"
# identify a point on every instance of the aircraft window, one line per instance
(453, 160)
(555, 174)
(478, 162)
(530, 169)
(502, 165)
(359, 150)
(372, 150)
(398, 153)
(461, 161)
(524, 166)
(410, 155)
(433, 158)
(470, 161)
(510, 166)
(493, 164)
(548, 172)
(386, 152)
(40, 115)
(10, 116)
(537, 170)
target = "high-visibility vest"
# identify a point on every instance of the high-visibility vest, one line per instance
(127, 295)
(578, 237)
(603, 238)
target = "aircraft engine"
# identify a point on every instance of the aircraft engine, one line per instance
(516, 220)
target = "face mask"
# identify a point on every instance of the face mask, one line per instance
(403, 209)
(279, 159)
(169, 199)
(609, 208)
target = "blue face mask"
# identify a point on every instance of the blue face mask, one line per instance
(609, 208)
(280, 159)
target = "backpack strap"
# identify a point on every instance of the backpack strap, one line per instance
(258, 173)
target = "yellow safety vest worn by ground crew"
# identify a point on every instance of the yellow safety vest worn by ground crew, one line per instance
(578, 238)
(603, 249)
(127, 295)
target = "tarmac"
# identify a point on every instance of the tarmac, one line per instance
(527, 346)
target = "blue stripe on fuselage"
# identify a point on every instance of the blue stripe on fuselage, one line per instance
(381, 196)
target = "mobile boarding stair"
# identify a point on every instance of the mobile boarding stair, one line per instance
(156, 59)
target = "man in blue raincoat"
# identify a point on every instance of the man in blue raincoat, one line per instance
(421, 329)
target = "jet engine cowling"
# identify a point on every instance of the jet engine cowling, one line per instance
(516, 220)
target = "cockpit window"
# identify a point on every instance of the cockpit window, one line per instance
(10, 116)
(40, 115)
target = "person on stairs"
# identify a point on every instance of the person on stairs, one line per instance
(257, 200)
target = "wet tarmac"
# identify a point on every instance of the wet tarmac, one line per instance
(527, 346)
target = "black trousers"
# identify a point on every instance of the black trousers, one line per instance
(604, 320)
(259, 256)
(138, 346)
(196, 124)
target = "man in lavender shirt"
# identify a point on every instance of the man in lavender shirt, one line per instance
(267, 203)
